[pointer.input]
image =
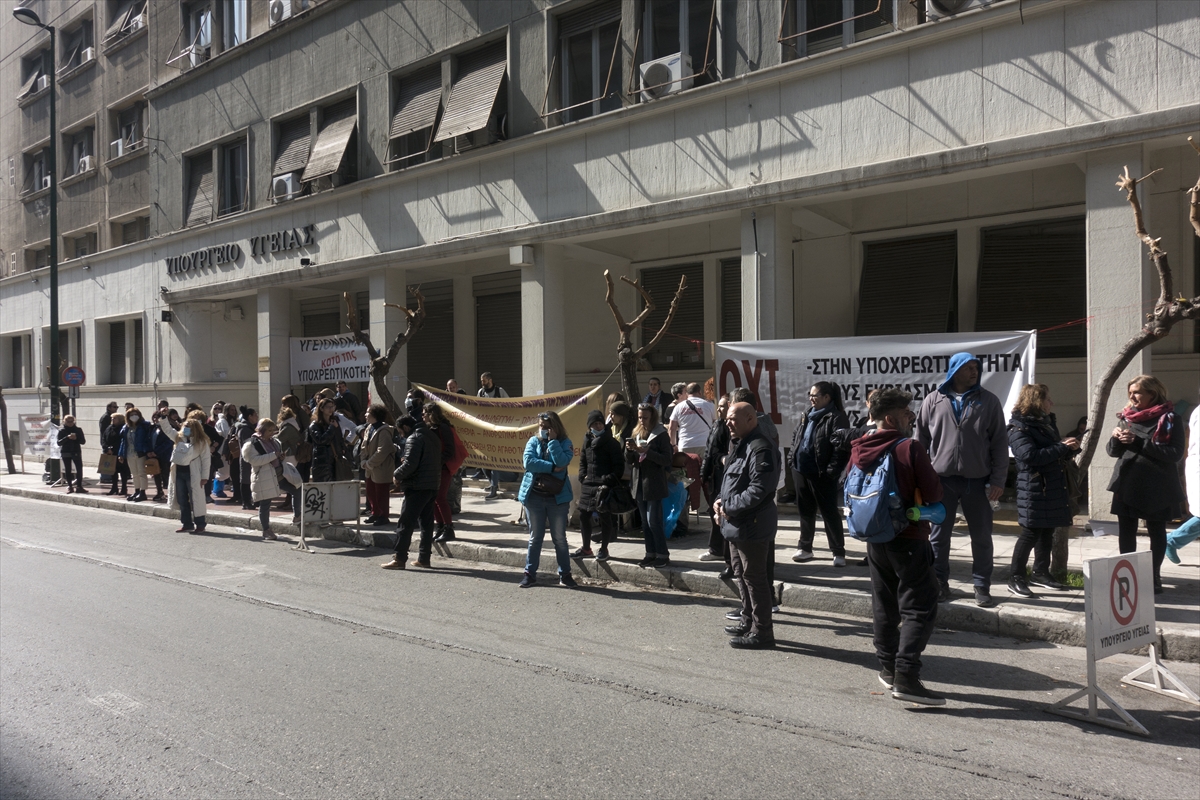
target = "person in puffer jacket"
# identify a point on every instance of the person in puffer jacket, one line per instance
(1043, 500)
(419, 475)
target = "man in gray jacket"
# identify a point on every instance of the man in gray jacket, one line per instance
(962, 426)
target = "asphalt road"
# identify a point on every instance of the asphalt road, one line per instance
(139, 662)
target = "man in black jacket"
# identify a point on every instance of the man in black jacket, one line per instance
(419, 474)
(748, 515)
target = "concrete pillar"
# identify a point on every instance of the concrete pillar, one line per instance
(968, 276)
(274, 349)
(389, 285)
(464, 333)
(767, 302)
(543, 351)
(93, 350)
(1116, 286)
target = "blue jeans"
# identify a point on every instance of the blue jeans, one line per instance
(538, 512)
(972, 493)
(653, 529)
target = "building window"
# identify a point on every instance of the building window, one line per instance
(234, 177)
(321, 316)
(477, 106)
(125, 18)
(37, 257)
(18, 366)
(687, 27)
(431, 355)
(77, 145)
(197, 35)
(590, 71)
(78, 47)
(498, 328)
(1034, 276)
(116, 352)
(235, 22)
(731, 299)
(35, 71)
(909, 286)
(292, 143)
(334, 157)
(130, 231)
(198, 204)
(129, 129)
(79, 245)
(126, 352)
(415, 116)
(815, 26)
(682, 346)
(37, 177)
(70, 346)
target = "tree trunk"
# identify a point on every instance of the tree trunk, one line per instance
(8, 456)
(629, 378)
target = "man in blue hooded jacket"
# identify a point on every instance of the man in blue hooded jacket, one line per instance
(962, 426)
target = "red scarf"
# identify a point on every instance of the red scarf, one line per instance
(1162, 412)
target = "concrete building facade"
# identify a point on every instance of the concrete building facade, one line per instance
(832, 167)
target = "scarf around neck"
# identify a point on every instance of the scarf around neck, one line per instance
(1163, 412)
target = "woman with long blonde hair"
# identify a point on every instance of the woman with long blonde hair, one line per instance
(190, 462)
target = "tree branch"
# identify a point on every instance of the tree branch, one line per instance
(612, 304)
(415, 321)
(667, 322)
(645, 296)
(1194, 194)
(1128, 185)
(360, 337)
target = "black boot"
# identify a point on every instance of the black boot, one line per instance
(447, 533)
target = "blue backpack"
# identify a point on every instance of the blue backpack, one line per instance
(874, 509)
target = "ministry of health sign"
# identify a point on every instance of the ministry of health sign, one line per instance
(260, 245)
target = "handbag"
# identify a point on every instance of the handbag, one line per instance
(108, 464)
(546, 484)
(291, 475)
(615, 499)
(152, 465)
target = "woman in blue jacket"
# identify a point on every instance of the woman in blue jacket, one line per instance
(135, 444)
(547, 455)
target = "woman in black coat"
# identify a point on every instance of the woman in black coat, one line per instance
(712, 470)
(325, 436)
(1148, 443)
(112, 445)
(70, 448)
(648, 452)
(1043, 498)
(817, 464)
(600, 464)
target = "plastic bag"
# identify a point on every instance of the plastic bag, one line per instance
(673, 505)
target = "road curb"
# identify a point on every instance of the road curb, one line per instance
(1005, 620)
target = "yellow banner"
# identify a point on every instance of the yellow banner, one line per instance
(495, 430)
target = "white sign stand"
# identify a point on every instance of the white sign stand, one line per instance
(327, 503)
(1118, 596)
(1155, 667)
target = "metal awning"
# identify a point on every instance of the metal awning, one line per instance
(474, 93)
(418, 101)
(327, 153)
(125, 10)
(200, 190)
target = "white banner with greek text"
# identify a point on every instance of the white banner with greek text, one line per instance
(781, 371)
(329, 359)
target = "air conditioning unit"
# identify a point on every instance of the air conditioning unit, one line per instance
(665, 76)
(197, 55)
(88, 54)
(286, 187)
(940, 9)
(283, 9)
(85, 165)
(46, 182)
(116, 149)
(43, 83)
(137, 23)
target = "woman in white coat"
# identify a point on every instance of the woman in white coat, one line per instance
(265, 458)
(190, 463)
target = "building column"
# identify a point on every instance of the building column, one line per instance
(767, 302)
(465, 371)
(388, 286)
(274, 349)
(93, 349)
(543, 351)
(1116, 288)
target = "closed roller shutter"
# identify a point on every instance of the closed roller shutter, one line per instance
(116, 352)
(731, 300)
(418, 101)
(678, 349)
(200, 190)
(431, 352)
(469, 107)
(498, 328)
(321, 316)
(909, 286)
(593, 16)
(292, 153)
(1033, 276)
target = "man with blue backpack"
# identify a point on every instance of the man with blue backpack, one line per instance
(890, 473)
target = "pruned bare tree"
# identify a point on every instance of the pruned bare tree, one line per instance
(381, 364)
(627, 357)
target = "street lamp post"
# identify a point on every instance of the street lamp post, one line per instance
(30, 17)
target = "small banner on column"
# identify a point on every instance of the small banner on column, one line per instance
(495, 430)
(329, 359)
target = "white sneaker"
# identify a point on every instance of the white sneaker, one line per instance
(707, 556)
(839, 561)
(800, 556)
(774, 609)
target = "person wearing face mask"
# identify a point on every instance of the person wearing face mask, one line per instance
(648, 452)
(70, 444)
(135, 444)
(265, 458)
(166, 429)
(817, 463)
(325, 436)
(190, 462)
(600, 465)
(243, 430)
(904, 586)
(546, 495)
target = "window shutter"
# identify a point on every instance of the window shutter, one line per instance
(330, 149)
(908, 286)
(498, 328)
(200, 189)
(116, 352)
(474, 93)
(1034, 276)
(418, 101)
(292, 152)
(731, 299)
(585, 19)
(678, 349)
(321, 316)
(431, 355)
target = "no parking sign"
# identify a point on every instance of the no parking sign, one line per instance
(1120, 601)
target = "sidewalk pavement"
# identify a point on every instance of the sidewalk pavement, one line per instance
(488, 530)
